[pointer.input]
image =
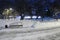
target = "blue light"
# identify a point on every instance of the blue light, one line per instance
(18, 17)
(34, 17)
(27, 17)
(39, 16)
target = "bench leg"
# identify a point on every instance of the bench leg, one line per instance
(6, 26)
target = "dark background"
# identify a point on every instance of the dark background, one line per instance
(40, 7)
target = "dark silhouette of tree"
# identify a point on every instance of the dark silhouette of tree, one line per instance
(4, 4)
(21, 7)
(39, 9)
(55, 8)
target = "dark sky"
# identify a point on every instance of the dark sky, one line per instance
(31, 2)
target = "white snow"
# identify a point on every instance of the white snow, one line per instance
(30, 23)
(32, 30)
(20, 34)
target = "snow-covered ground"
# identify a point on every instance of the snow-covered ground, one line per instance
(30, 34)
(31, 30)
(30, 23)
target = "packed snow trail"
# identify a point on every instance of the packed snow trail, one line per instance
(30, 23)
(46, 30)
(20, 34)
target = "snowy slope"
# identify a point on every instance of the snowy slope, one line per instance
(20, 34)
(4, 22)
(30, 23)
(36, 30)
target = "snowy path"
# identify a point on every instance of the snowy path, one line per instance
(46, 30)
(30, 23)
(20, 34)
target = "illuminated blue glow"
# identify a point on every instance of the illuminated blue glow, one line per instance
(18, 17)
(27, 17)
(34, 16)
(39, 16)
